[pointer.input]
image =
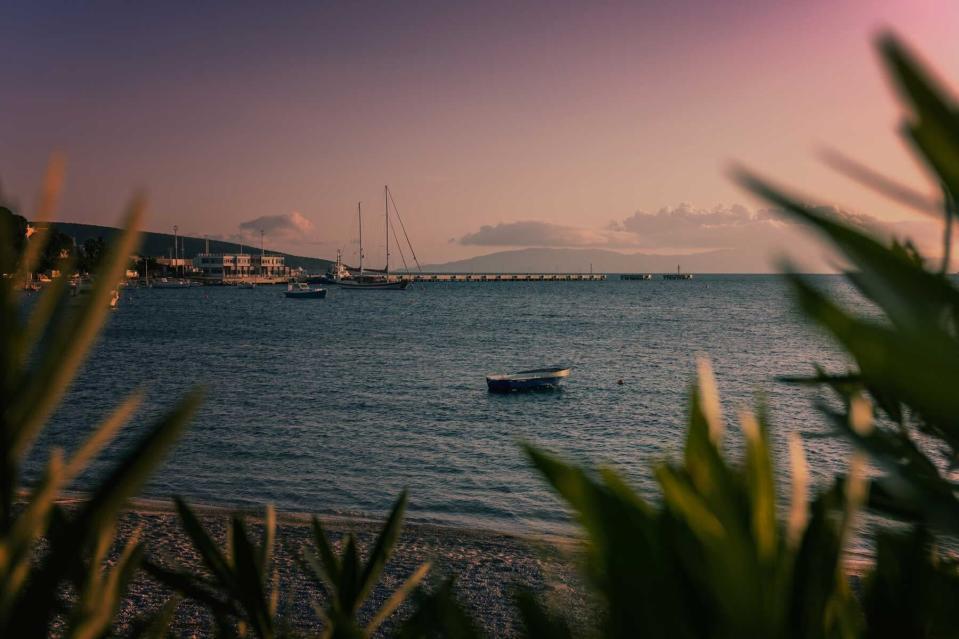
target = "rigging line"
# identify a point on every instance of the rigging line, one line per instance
(399, 248)
(403, 226)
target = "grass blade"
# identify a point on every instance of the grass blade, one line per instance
(382, 548)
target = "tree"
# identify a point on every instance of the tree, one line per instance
(59, 246)
(92, 254)
(18, 230)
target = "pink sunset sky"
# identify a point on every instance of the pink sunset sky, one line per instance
(496, 125)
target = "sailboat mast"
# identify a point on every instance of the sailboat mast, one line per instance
(386, 201)
(359, 214)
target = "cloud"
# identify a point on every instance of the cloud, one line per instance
(685, 229)
(685, 217)
(723, 227)
(291, 226)
(546, 234)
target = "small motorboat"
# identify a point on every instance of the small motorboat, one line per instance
(537, 378)
(303, 291)
(167, 283)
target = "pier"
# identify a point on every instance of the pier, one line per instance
(678, 275)
(501, 277)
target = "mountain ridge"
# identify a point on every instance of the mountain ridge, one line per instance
(555, 260)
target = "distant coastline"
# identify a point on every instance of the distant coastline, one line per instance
(156, 244)
(521, 260)
(554, 260)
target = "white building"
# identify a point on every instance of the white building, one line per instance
(237, 265)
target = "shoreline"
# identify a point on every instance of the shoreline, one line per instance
(488, 566)
(333, 522)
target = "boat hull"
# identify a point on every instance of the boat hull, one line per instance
(306, 295)
(399, 285)
(536, 379)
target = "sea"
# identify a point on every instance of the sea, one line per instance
(335, 406)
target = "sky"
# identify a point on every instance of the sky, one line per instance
(496, 125)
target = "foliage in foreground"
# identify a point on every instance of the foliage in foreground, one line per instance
(54, 563)
(41, 351)
(712, 559)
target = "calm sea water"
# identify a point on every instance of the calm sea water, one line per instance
(335, 405)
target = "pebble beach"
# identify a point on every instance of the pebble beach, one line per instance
(488, 568)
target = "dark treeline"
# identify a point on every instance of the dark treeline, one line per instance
(57, 248)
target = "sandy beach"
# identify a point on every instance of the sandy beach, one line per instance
(488, 567)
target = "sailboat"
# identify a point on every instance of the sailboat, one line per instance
(375, 282)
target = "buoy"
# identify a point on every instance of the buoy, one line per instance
(620, 382)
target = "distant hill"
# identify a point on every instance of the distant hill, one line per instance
(554, 260)
(161, 245)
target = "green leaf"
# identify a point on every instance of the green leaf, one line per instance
(538, 622)
(911, 592)
(382, 548)
(71, 341)
(761, 485)
(934, 127)
(331, 564)
(250, 582)
(203, 543)
(131, 473)
(36, 603)
(438, 614)
(913, 298)
(907, 366)
(397, 598)
(49, 198)
(820, 602)
(189, 585)
(349, 583)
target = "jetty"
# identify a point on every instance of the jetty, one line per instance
(502, 277)
(497, 277)
(678, 275)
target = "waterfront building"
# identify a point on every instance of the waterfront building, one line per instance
(270, 265)
(240, 265)
(177, 266)
(223, 265)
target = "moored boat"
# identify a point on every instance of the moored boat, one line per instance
(334, 275)
(81, 289)
(377, 282)
(537, 378)
(171, 283)
(303, 291)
